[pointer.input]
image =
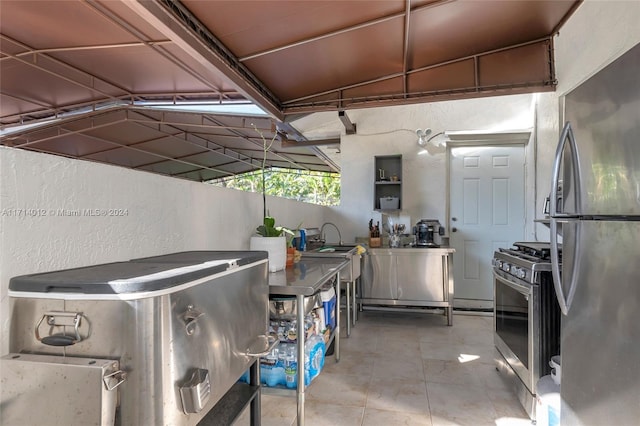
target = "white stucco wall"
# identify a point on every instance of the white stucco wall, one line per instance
(159, 215)
(392, 130)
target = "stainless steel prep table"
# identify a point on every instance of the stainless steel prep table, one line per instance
(422, 277)
(306, 278)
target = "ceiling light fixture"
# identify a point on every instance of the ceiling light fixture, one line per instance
(422, 136)
(423, 139)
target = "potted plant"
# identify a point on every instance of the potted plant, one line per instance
(272, 239)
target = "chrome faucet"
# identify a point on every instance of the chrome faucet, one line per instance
(334, 225)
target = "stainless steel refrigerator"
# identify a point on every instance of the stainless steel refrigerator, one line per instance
(596, 175)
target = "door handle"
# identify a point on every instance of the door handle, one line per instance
(454, 229)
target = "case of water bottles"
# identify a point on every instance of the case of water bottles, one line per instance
(280, 367)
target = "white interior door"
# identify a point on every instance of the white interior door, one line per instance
(487, 212)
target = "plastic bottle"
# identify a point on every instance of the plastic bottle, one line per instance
(291, 367)
(314, 357)
(302, 242)
(268, 368)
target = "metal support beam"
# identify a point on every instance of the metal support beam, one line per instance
(286, 143)
(349, 127)
(177, 24)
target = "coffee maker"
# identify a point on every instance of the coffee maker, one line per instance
(425, 232)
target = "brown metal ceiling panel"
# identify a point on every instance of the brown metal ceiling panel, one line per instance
(135, 69)
(126, 133)
(64, 22)
(40, 87)
(213, 82)
(171, 147)
(13, 107)
(374, 91)
(119, 13)
(202, 175)
(337, 61)
(170, 168)
(207, 159)
(524, 65)
(124, 157)
(74, 145)
(59, 55)
(458, 29)
(331, 99)
(451, 76)
(158, 141)
(305, 159)
(233, 142)
(210, 121)
(248, 27)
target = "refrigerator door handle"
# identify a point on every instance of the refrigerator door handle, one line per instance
(566, 135)
(555, 267)
(564, 302)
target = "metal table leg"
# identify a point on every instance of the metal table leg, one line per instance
(348, 291)
(354, 310)
(337, 334)
(301, 339)
(254, 380)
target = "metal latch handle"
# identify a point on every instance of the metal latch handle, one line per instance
(196, 392)
(190, 318)
(262, 339)
(60, 319)
(119, 377)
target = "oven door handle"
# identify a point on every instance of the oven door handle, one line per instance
(520, 288)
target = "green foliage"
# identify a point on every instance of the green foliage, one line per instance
(311, 187)
(269, 228)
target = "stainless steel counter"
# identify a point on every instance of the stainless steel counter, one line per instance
(408, 277)
(306, 278)
(406, 250)
(348, 275)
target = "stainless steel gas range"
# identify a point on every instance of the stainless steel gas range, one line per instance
(526, 317)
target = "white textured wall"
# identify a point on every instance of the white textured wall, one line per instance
(391, 130)
(163, 215)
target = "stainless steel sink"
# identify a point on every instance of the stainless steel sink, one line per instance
(337, 249)
(349, 251)
(349, 273)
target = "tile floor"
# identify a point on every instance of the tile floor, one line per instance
(406, 369)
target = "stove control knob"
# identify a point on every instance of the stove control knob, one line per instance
(520, 273)
(506, 267)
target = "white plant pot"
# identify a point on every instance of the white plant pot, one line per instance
(277, 248)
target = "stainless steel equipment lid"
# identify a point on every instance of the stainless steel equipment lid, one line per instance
(151, 274)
